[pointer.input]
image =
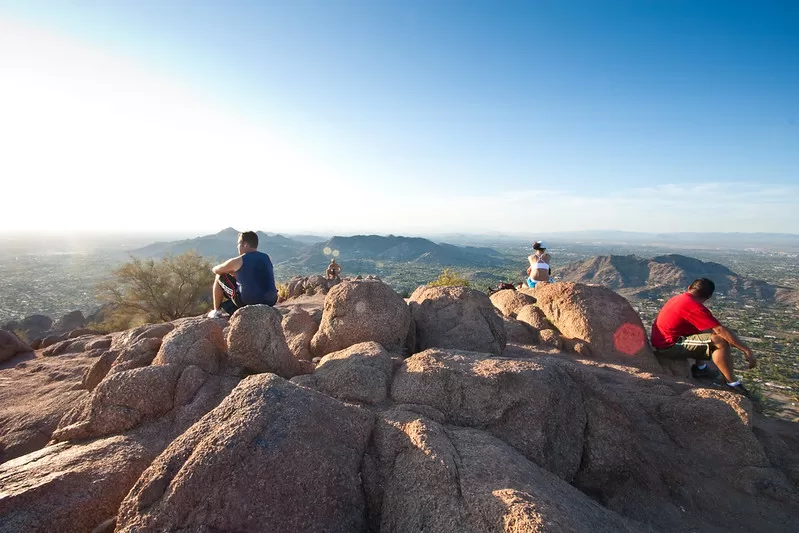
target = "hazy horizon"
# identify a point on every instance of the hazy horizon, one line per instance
(406, 116)
(59, 241)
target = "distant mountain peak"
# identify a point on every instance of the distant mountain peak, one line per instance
(228, 231)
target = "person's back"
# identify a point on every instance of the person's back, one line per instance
(256, 279)
(681, 316)
(540, 268)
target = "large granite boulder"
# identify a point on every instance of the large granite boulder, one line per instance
(70, 321)
(299, 328)
(298, 450)
(360, 373)
(361, 311)
(10, 346)
(121, 401)
(535, 406)
(534, 316)
(456, 317)
(601, 318)
(509, 301)
(69, 488)
(423, 476)
(197, 341)
(256, 342)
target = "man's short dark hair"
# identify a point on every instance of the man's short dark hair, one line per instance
(702, 287)
(250, 238)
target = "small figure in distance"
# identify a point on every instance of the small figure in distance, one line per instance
(246, 279)
(686, 329)
(539, 269)
(333, 269)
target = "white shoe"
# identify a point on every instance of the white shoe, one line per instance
(215, 313)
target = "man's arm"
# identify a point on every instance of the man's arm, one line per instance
(730, 336)
(228, 267)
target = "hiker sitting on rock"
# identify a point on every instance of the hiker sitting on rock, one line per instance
(539, 269)
(247, 279)
(686, 329)
(333, 270)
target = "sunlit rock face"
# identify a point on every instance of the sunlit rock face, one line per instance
(600, 317)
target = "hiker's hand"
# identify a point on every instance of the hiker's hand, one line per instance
(751, 358)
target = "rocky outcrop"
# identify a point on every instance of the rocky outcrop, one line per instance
(510, 301)
(194, 342)
(297, 449)
(501, 397)
(34, 395)
(10, 346)
(518, 332)
(361, 311)
(456, 317)
(534, 316)
(65, 488)
(299, 328)
(445, 440)
(602, 319)
(360, 373)
(256, 342)
(71, 321)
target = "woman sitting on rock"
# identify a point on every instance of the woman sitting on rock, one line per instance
(539, 269)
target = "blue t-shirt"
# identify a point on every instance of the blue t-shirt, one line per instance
(256, 279)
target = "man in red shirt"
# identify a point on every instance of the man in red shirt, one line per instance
(686, 329)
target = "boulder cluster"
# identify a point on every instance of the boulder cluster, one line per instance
(529, 411)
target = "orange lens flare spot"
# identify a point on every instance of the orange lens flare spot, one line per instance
(629, 339)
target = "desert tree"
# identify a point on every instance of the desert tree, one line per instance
(159, 291)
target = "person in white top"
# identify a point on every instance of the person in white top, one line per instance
(540, 269)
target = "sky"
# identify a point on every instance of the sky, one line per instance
(399, 116)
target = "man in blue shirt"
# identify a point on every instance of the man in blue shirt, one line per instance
(247, 279)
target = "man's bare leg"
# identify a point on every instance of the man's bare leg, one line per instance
(722, 358)
(219, 294)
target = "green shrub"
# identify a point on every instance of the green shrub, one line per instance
(449, 278)
(282, 292)
(158, 291)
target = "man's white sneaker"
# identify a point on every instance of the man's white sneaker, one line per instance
(216, 313)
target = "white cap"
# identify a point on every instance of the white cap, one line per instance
(541, 244)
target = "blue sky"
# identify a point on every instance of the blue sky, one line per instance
(403, 116)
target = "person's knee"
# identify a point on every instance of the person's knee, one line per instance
(719, 342)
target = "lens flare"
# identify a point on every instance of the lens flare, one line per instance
(629, 339)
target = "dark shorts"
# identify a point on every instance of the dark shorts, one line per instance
(696, 346)
(231, 289)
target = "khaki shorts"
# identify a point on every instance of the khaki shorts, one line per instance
(696, 346)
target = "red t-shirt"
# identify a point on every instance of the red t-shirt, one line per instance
(681, 316)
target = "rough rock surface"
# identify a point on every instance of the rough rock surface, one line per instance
(510, 301)
(501, 396)
(425, 476)
(600, 317)
(67, 488)
(298, 450)
(198, 341)
(122, 401)
(34, 395)
(10, 346)
(534, 316)
(456, 317)
(299, 328)
(361, 311)
(519, 332)
(138, 353)
(256, 342)
(532, 440)
(360, 373)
